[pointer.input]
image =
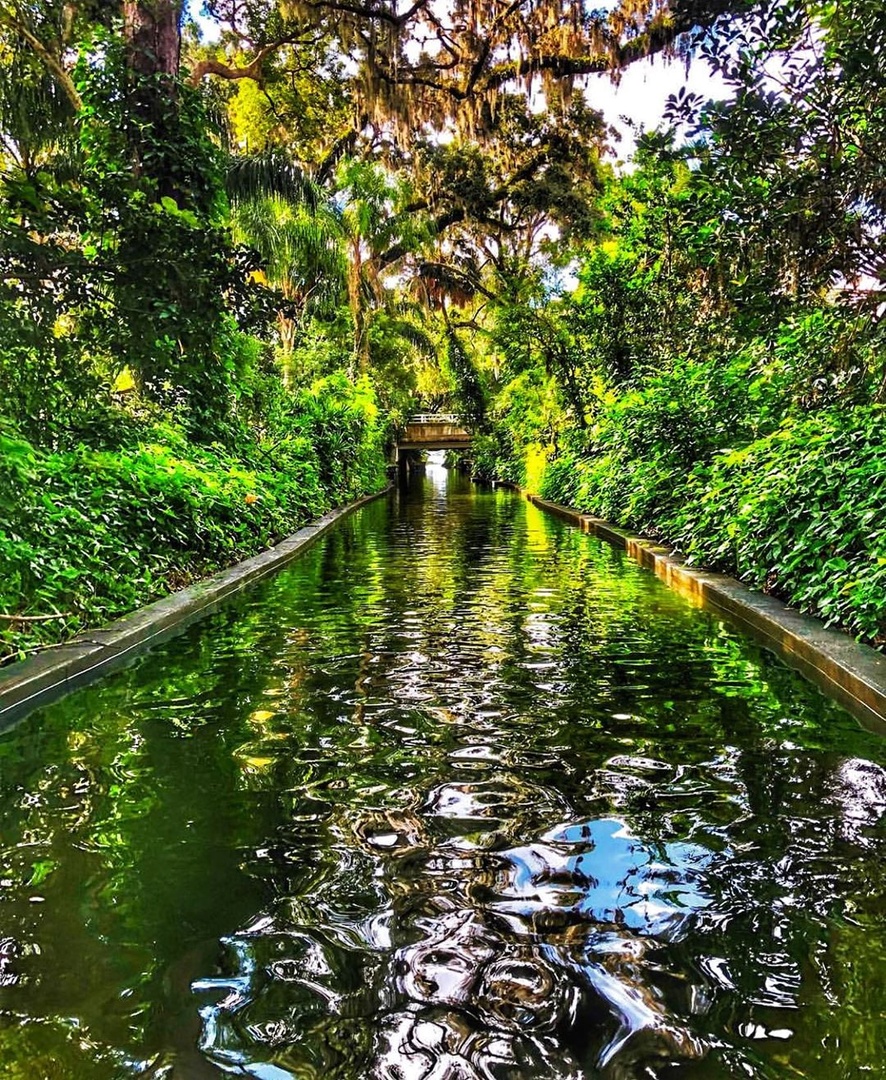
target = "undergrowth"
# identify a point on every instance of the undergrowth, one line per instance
(88, 533)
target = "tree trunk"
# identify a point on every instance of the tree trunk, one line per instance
(287, 328)
(153, 36)
(152, 32)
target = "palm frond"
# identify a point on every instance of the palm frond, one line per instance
(35, 115)
(340, 149)
(419, 339)
(301, 250)
(256, 176)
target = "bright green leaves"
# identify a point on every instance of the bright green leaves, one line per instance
(96, 533)
(732, 394)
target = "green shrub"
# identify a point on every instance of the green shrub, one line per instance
(628, 466)
(94, 532)
(800, 512)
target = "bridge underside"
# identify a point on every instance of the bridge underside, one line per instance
(425, 433)
(452, 442)
(434, 434)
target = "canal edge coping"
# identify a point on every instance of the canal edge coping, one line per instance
(851, 673)
(91, 654)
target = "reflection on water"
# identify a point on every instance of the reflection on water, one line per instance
(460, 795)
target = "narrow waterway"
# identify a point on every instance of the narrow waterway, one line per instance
(461, 794)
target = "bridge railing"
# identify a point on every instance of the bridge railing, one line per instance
(434, 418)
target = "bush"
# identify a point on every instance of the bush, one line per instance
(629, 465)
(95, 533)
(801, 513)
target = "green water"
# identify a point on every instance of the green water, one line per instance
(461, 794)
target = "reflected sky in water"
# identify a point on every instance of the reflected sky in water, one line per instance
(461, 794)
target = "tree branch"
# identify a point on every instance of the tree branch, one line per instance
(661, 32)
(458, 214)
(43, 54)
(252, 70)
(366, 11)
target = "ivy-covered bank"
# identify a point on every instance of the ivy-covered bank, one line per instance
(93, 531)
(798, 513)
(156, 423)
(709, 459)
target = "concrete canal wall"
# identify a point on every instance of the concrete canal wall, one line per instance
(93, 654)
(853, 674)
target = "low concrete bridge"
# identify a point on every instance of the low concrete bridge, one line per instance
(434, 431)
(430, 431)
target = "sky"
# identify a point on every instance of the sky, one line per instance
(644, 87)
(642, 92)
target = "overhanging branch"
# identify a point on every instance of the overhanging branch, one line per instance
(43, 54)
(252, 70)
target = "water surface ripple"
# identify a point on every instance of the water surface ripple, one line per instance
(462, 794)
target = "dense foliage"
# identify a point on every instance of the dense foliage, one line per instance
(717, 378)
(228, 268)
(146, 434)
(92, 532)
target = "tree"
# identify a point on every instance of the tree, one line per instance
(418, 62)
(152, 29)
(443, 65)
(302, 255)
(798, 146)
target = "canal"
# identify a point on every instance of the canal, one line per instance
(462, 793)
